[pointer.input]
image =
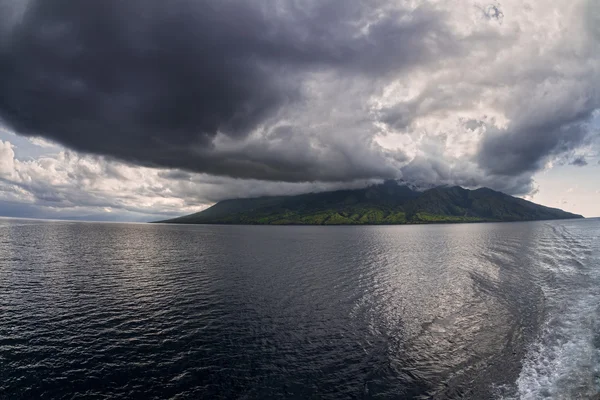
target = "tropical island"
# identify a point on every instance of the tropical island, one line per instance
(389, 203)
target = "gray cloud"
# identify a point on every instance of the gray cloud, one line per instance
(525, 150)
(579, 162)
(551, 126)
(493, 12)
(156, 84)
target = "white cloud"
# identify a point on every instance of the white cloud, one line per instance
(79, 184)
(68, 180)
(41, 142)
(7, 161)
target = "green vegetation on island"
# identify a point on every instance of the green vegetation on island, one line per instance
(386, 204)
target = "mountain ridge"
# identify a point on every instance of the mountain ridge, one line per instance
(388, 203)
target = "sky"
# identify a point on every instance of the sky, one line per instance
(145, 109)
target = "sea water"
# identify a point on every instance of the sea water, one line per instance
(476, 311)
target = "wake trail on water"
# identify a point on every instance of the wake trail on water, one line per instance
(564, 361)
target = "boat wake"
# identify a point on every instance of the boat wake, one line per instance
(564, 362)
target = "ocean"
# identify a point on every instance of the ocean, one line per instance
(462, 311)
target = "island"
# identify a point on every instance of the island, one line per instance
(389, 203)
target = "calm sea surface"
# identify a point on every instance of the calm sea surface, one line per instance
(482, 311)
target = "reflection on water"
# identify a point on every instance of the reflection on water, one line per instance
(165, 311)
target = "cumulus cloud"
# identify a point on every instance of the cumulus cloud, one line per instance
(67, 184)
(7, 156)
(220, 99)
(67, 181)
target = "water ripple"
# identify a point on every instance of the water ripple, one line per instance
(149, 311)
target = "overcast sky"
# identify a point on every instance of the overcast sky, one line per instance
(144, 109)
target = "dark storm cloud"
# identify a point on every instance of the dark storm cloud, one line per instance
(154, 82)
(551, 119)
(525, 150)
(552, 126)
